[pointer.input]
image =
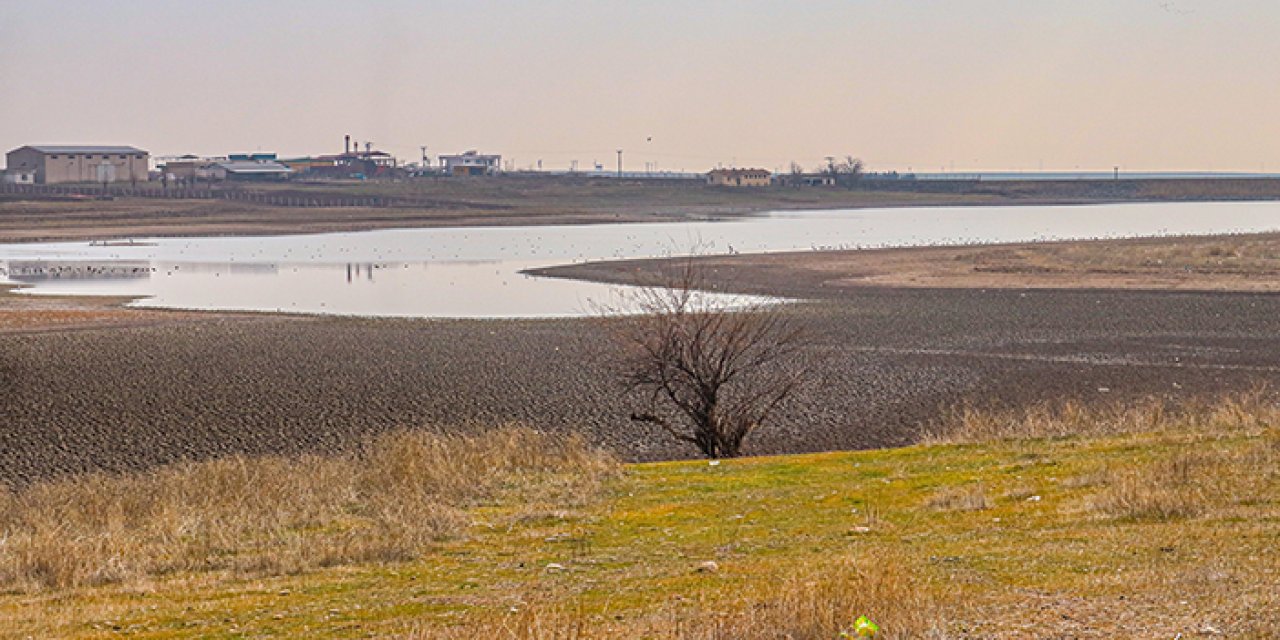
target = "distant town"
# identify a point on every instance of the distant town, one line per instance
(134, 168)
(106, 165)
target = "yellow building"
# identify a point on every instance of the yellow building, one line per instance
(303, 165)
(740, 178)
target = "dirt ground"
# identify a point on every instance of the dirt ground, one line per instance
(90, 386)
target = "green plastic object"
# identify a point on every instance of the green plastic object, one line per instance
(865, 628)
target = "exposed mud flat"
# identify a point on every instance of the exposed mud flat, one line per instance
(164, 387)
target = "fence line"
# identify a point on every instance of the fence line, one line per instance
(182, 193)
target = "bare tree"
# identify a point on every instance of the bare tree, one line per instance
(846, 172)
(796, 176)
(709, 373)
(853, 169)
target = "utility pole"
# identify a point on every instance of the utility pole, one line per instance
(619, 163)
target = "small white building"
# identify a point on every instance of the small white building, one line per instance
(471, 163)
(740, 177)
(249, 170)
(18, 176)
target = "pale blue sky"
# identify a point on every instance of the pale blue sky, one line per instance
(995, 84)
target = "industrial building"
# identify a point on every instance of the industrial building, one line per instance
(369, 163)
(252, 157)
(351, 163)
(740, 177)
(187, 167)
(55, 164)
(232, 167)
(311, 165)
(250, 170)
(470, 163)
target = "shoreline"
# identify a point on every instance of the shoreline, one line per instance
(505, 202)
(823, 274)
(1184, 263)
(529, 220)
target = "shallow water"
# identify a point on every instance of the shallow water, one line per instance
(475, 271)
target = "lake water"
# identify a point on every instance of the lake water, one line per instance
(475, 271)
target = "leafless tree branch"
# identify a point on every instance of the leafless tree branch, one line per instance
(719, 371)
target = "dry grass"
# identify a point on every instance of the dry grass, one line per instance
(1245, 412)
(970, 498)
(388, 502)
(1168, 490)
(1190, 483)
(815, 603)
(1256, 255)
(1187, 483)
(1148, 535)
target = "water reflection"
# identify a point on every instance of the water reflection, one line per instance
(475, 272)
(390, 289)
(367, 267)
(32, 271)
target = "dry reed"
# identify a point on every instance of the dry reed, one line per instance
(1243, 412)
(1187, 484)
(389, 501)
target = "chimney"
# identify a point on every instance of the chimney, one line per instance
(368, 146)
(346, 144)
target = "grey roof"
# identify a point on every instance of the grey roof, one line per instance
(72, 149)
(254, 167)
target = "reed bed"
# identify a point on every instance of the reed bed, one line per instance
(391, 500)
(1242, 412)
(1194, 481)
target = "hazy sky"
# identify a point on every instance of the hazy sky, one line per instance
(969, 84)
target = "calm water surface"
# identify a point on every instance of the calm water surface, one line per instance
(475, 272)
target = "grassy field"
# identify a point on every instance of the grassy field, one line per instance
(1150, 521)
